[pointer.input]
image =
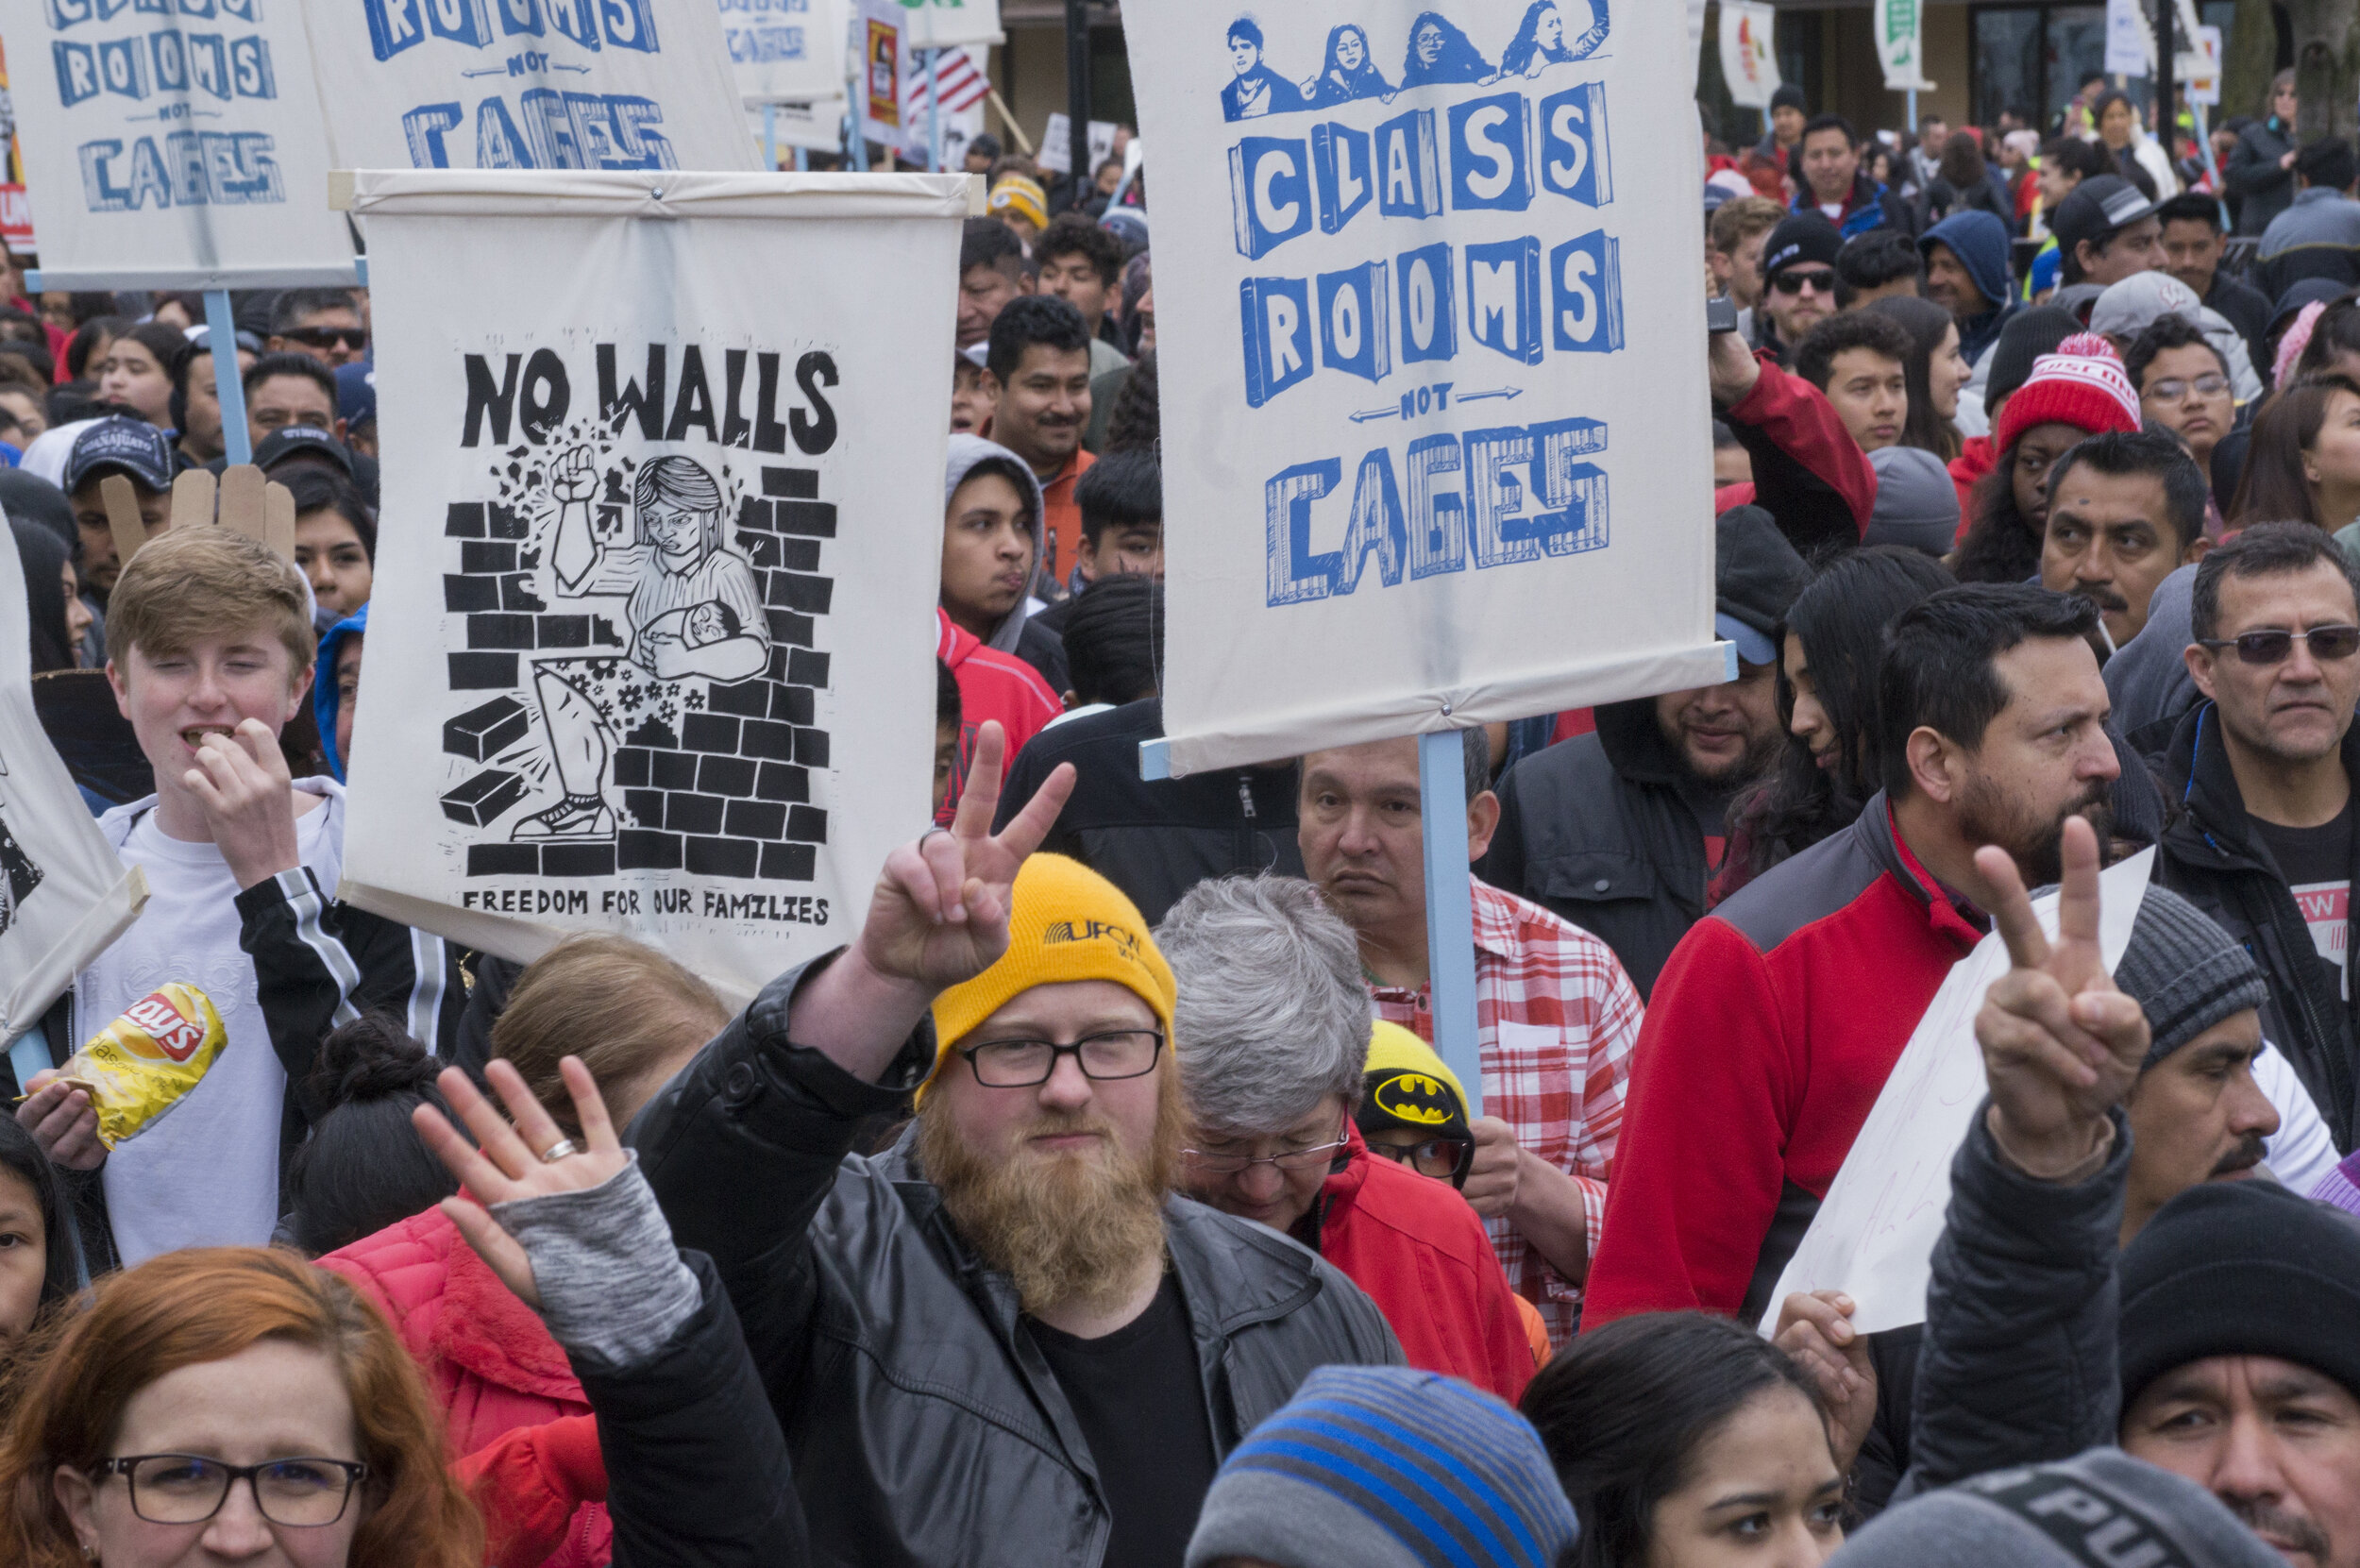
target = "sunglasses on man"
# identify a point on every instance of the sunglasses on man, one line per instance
(2273, 647)
(1794, 280)
(327, 337)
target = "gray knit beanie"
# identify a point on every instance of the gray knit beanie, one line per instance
(2097, 1510)
(1387, 1467)
(2185, 972)
(1917, 501)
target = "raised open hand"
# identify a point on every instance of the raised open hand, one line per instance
(2060, 1045)
(940, 913)
(509, 1161)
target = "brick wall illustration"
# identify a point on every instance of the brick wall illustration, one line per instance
(718, 784)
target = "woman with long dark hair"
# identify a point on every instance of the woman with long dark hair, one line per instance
(1439, 52)
(1934, 371)
(1349, 71)
(1831, 646)
(2302, 459)
(1679, 1438)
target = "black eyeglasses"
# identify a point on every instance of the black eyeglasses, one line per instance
(1792, 281)
(329, 337)
(2272, 648)
(189, 1488)
(1103, 1058)
(1443, 1159)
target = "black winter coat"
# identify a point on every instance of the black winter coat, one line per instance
(695, 1466)
(2017, 1365)
(1154, 838)
(2258, 187)
(1604, 830)
(923, 1425)
(2211, 856)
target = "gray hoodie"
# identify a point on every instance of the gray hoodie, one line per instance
(968, 453)
(2146, 678)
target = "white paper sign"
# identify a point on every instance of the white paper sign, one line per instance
(2129, 42)
(64, 895)
(2201, 71)
(1056, 143)
(878, 68)
(1897, 47)
(527, 84)
(947, 24)
(1749, 62)
(1424, 328)
(173, 146)
(1874, 1234)
(654, 661)
(817, 126)
(785, 51)
(1696, 35)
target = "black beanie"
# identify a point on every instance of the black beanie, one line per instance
(2241, 1267)
(1803, 238)
(2028, 335)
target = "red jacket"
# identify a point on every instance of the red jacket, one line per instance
(1770, 1033)
(991, 686)
(1809, 473)
(1974, 460)
(1412, 1243)
(490, 1363)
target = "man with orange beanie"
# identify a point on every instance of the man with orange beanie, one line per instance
(1000, 1341)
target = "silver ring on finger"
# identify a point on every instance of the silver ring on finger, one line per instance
(559, 1150)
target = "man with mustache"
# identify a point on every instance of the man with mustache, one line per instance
(2218, 1344)
(2126, 510)
(1000, 1341)
(1038, 369)
(2264, 769)
(1772, 1029)
(1618, 831)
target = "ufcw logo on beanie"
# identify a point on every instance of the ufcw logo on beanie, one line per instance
(1066, 923)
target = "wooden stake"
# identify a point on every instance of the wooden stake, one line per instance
(122, 517)
(192, 499)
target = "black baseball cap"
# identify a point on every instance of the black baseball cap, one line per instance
(132, 448)
(2098, 209)
(297, 439)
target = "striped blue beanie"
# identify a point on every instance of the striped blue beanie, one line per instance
(1386, 1467)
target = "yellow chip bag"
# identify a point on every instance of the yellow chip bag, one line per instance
(138, 1067)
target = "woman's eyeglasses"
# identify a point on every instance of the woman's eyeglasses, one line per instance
(189, 1488)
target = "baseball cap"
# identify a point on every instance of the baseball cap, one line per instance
(130, 446)
(2097, 209)
(356, 392)
(296, 439)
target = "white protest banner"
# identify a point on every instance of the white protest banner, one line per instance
(1406, 326)
(173, 146)
(527, 84)
(947, 23)
(1874, 1234)
(1749, 62)
(819, 127)
(1056, 143)
(64, 895)
(658, 663)
(785, 51)
(2200, 70)
(1897, 47)
(2129, 42)
(1697, 36)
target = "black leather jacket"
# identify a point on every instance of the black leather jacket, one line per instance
(922, 1424)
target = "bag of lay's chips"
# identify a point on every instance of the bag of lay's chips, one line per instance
(138, 1067)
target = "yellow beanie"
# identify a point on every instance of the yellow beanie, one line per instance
(1069, 923)
(1401, 1075)
(1022, 196)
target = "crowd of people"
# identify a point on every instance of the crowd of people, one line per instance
(1103, 1198)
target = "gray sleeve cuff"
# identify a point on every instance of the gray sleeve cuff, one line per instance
(614, 1288)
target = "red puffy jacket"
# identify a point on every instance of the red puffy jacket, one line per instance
(489, 1363)
(1419, 1252)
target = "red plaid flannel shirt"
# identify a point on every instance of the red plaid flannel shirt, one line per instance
(1570, 1016)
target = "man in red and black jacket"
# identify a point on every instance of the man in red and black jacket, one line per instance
(1772, 1027)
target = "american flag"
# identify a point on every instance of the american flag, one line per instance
(961, 74)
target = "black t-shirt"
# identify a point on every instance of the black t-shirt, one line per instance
(2317, 864)
(1140, 1401)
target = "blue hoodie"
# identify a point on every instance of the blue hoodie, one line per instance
(324, 694)
(1980, 240)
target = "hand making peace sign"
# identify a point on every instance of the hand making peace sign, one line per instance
(2060, 1045)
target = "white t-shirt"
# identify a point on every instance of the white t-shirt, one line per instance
(206, 1173)
(2301, 1151)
